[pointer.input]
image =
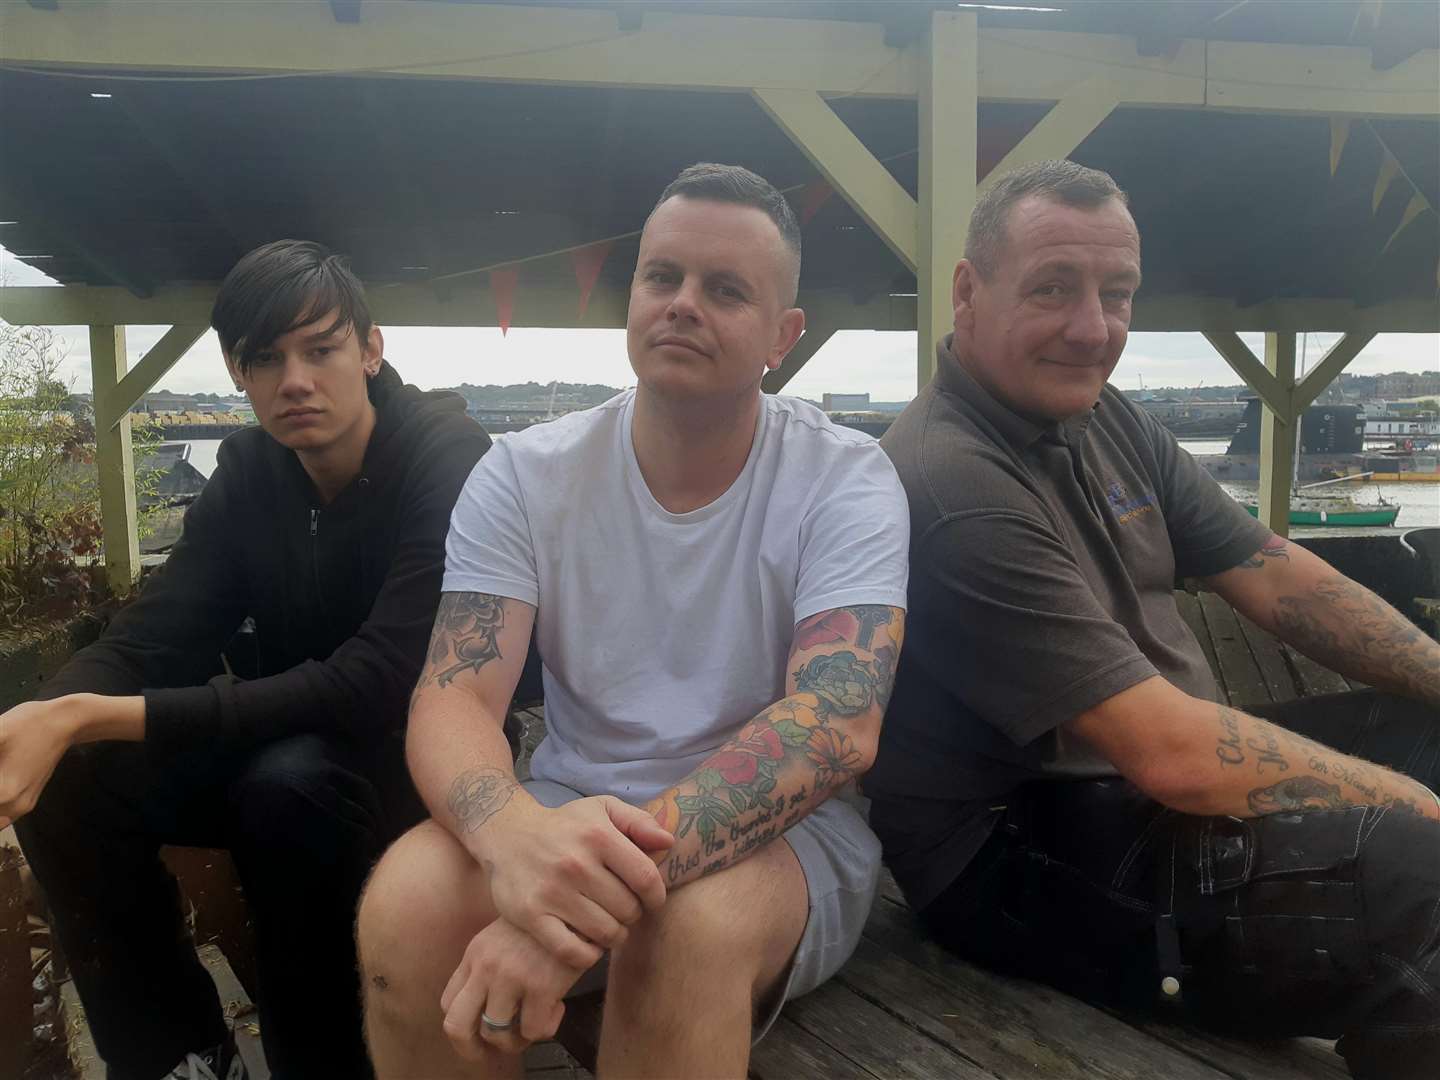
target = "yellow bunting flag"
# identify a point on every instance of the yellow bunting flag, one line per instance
(1389, 169)
(1339, 133)
(1413, 210)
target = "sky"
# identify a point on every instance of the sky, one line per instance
(881, 363)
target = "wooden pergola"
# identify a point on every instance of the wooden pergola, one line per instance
(1283, 160)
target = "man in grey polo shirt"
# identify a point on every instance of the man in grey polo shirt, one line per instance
(1057, 791)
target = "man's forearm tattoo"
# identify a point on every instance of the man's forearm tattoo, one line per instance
(1324, 778)
(1348, 628)
(1274, 548)
(477, 795)
(467, 628)
(1296, 793)
(789, 758)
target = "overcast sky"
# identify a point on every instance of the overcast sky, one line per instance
(853, 361)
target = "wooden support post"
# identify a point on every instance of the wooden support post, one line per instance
(114, 460)
(1238, 355)
(1328, 370)
(847, 165)
(949, 118)
(1277, 437)
(163, 355)
(809, 344)
(1061, 130)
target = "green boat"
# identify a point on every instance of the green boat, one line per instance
(1337, 511)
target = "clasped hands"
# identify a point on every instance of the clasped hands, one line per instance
(566, 883)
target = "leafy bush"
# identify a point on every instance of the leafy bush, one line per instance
(50, 532)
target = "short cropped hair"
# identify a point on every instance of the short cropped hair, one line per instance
(737, 185)
(280, 286)
(1061, 181)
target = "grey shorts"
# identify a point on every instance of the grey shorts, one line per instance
(841, 860)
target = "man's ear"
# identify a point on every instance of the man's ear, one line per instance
(962, 293)
(373, 352)
(791, 326)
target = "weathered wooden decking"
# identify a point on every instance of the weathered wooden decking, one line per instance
(905, 1009)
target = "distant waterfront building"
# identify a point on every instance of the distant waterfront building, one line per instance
(846, 402)
(1404, 384)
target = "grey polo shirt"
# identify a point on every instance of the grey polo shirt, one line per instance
(1043, 561)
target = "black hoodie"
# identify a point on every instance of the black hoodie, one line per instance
(343, 595)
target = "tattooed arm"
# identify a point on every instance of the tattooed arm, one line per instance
(571, 877)
(1198, 757)
(1305, 602)
(791, 757)
(455, 741)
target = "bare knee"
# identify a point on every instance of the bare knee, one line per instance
(423, 903)
(740, 926)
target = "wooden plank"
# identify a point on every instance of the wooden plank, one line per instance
(876, 1040)
(239, 1010)
(981, 1028)
(1267, 650)
(1189, 605)
(789, 1051)
(1105, 1046)
(1313, 678)
(1239, 671)
(1270, 1059)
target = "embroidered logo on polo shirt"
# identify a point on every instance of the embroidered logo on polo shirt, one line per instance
(1126, 508)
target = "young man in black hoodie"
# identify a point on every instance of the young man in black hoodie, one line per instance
(325, 526)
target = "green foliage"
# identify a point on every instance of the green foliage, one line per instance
(50, 534)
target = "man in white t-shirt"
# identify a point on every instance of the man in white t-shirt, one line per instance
(716, 583)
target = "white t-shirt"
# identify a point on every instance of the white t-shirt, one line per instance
(661, 633)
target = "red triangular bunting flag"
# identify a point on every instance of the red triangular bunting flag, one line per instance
(502, 284)
(812, 197)
(587, 262)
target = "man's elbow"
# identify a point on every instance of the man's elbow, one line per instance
(1176, 783)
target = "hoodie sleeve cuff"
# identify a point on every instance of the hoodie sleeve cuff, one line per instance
(184, 716)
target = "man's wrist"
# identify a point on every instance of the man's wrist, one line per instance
(94, 717)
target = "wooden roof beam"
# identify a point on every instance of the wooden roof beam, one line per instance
(681, 50)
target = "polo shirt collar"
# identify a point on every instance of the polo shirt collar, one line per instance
(1019, 431)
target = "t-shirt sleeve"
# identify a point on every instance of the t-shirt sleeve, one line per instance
(1209, 531)
(489, 548)
(1012, 628)
(854, 542)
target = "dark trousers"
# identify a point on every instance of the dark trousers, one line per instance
(1321, 923)
(305, 819)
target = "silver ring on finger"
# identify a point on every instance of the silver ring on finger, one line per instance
(491, 1024)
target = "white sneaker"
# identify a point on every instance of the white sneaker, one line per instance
(206, 1066)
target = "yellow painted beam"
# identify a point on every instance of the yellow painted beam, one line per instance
(811, 342)
(1256, 375)
(553, 45)
(114, 461)
(161, 357)
(1061, 130)
(1332, 80)
(497, 42)
(1335, 360)
(411, 305)
(1045, 65)
(948, 122)
(1277, 438)
(1179, 312)
(847, 166)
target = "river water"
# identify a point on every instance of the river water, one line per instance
(1419, 503)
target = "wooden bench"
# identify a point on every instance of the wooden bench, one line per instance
(905, 1008)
